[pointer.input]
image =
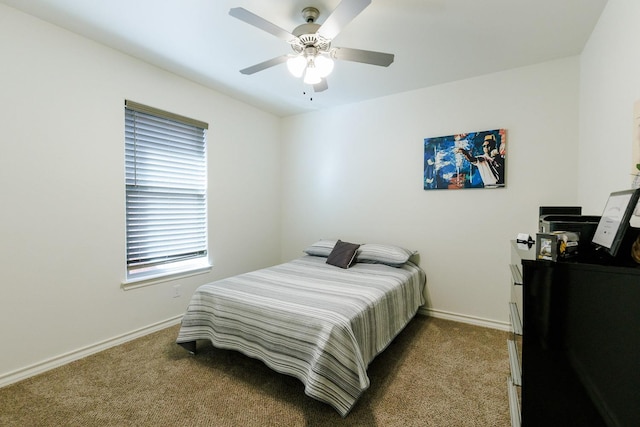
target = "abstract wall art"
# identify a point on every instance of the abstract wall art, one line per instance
(465, 160)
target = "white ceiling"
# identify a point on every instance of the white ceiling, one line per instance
(434, 41)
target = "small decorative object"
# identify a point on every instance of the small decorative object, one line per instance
(557, 245)
(465, 160)
(524, 241)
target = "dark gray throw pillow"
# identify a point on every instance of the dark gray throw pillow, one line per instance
(343, 254)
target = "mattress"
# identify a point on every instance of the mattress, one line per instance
(317, 322)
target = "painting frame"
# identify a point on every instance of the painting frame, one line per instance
(465, 160)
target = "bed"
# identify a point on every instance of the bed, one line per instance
(311, 319)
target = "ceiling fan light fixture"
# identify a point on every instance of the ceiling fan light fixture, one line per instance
(324, 65)
(312, 75)
(296, 65)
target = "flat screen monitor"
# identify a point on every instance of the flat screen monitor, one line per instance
(614, 222)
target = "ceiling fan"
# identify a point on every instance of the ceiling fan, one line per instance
(313, 56)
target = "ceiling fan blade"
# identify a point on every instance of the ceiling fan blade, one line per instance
(341, 16)
(364, 56)
(264, 65)
(322, 86)
(261, 23)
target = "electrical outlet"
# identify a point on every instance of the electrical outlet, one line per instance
(176, 291)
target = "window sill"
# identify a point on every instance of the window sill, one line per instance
(148, 280)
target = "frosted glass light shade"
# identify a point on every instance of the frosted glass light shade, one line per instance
(312, 75)
(324, 65)
(296, 65)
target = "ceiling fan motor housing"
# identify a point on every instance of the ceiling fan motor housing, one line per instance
(306, 33)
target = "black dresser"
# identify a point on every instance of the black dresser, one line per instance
(578, 356)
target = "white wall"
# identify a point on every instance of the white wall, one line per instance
(355, 173)
(62, 222)
(609, 86)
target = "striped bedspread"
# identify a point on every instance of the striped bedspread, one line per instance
(305, 318)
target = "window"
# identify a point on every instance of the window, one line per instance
(166, 193)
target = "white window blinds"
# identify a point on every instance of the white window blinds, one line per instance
(166, 181)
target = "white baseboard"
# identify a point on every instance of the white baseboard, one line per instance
(63, 359)
(457, 317)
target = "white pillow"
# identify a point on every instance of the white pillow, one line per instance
(383, 254)
(321, 248)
